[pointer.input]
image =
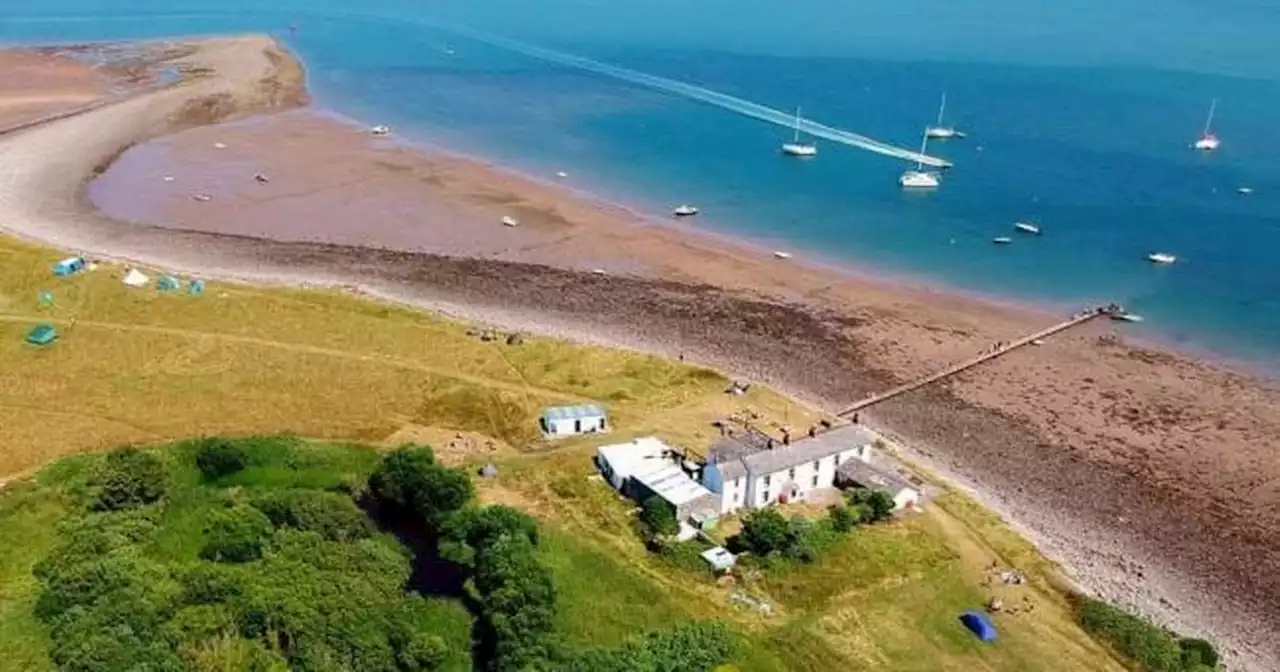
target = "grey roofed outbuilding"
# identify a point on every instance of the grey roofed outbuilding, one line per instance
(749, 454)
(575, 412)
(859, 473)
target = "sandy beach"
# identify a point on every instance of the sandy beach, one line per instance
(1152, 476)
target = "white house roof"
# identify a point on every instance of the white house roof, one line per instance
(573, 412)
(648, 461)
(672, 484)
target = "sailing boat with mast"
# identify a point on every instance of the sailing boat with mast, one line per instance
(1208, 140)
(920, 178)
(797, 148)
(938, 131)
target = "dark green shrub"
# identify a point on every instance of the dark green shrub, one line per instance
(518, 601)
(236, 535)
(658, 517)
(1151, 647)
(410, 479)
(219, 457)
(472, 529)
(873, 505)
(129, 477)
(843, 518)
(765, 531)
(208, 584)
(1197, 652)
(420, 652)
(333, 516)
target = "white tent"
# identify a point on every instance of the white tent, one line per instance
(136, 278)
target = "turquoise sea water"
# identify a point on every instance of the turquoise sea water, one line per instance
(1079, 115)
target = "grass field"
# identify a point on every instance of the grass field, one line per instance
(137, 366)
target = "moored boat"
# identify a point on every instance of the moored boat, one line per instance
(685, 211)
(796, 147)
(1161, 258)
(1027, 227)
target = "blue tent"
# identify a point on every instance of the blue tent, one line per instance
(167, 283)
(980, 625)
(68, 266)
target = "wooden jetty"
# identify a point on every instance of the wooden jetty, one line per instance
(1076, 320)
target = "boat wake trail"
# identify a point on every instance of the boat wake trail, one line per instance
(698, 93)
(664, 84)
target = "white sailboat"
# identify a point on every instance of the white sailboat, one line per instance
(1161, 258)
(919, 178)
(1208, 140)
(797, 148)
(940, 132)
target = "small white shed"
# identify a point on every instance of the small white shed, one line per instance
(719, 558)
(560, 421)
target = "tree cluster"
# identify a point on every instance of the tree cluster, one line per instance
(298, 586)
(410, 480)
(766, 533)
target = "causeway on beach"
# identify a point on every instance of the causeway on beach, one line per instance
(1149, 474)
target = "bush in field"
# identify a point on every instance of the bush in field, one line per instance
(219, 457)
(765, 531)
(1153, 648)
(410, 479)
(1197, 652)
(335, 517)
(236, 535)
(873, 505)
(471, 530)
(129, 478)
(843, 518)
(658, 517)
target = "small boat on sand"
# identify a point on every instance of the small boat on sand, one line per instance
(685, 211)
(1161, 258)
(781, 255)
(510, 221)
(1027, 227)
(1126, 317)
(1002, 240)
(380, 130)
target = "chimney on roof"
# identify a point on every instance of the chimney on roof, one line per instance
(770, 443)
(813, 431)
(786, 439)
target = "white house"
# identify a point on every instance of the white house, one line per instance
(752, 470)
(558, 421)
(860, 474)
(647, 467)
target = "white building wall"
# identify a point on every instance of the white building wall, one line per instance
(571, 426)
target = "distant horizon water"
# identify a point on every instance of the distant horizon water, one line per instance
(1097, 153)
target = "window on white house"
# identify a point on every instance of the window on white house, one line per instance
(791, 474)
(765, 495)
(815, 480)
(766, 481)
(817, 465)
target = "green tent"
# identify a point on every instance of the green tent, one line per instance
(42, 335)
